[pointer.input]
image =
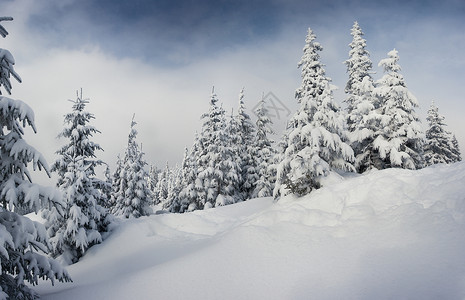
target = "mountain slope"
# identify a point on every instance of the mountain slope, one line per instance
(391, 234)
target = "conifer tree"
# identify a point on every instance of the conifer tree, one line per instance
(173, 201)
(192, 186)
(134, 197)
(153, 180)
(106, 188)
(23, 242)
(246, 150)
(264, 153)
(315, 133)
(400, 140)
(362, 118)
(161, 191)
(80, 227)
(455, 149)
(217, 170)
(438, 139)
(118, 185)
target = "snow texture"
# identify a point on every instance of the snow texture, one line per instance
(389, 234)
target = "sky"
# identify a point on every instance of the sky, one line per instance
(159, 60)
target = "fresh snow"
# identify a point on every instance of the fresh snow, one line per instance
(390, 234)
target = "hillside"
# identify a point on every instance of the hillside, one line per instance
(391, 234)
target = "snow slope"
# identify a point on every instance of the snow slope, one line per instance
(391, 234)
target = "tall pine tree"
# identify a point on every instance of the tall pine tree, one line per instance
(218, 170)
(362, 118)
(400, 140)
(24, 243)
(264, 153)
(246, 150)
(134, 197)
(314, 140)
(80, 227)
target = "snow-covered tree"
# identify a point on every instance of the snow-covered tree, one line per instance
(400, 140)
(246, 150)
(161, 189)
(359, 66)
(264, 153)
(315, 133)
(438, 139)
(80, 227)
(218, 171)
(106, 188)
(152, 180)
(192, 186)
(362, 118)
(23, 242)
(118, 184)
(135, 197)
(456, 156)
(173, 201)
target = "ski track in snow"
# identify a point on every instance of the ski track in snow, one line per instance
(390, 234)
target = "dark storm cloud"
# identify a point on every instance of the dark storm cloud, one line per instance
(168, 32)
(179, 32)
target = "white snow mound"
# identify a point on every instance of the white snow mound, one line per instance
(391, 234)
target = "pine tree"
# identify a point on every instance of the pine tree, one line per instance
(400, 140)
(315, 134)
(264, 153)
(438, 139)
(454, 146)
(362, 118)
(134, 198)
(218, 171)
(153, 180)
(161, 191)
(192, 186)
(246, 150)
(80, 227)
(106, 188)
(23, 242)
(118, 185)
(173, 201)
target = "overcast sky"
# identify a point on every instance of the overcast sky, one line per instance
(160, 59)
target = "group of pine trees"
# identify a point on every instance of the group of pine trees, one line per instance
(228, 162)
(380, 128)
(232, 159)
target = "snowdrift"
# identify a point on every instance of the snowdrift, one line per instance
(391, 234)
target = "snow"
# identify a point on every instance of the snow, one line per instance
(390, 234)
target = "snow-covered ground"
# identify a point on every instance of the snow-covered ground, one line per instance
(391, 234)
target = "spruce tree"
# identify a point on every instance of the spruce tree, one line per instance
(362, 119)
(134, 197)
(80, 227)
(24, 243)
(400, 140)
(314, 139)
(218, 171)
(153, 180)
(118, 185)
(192, 185)
(107, 188)
(264, 153)
(246, 150)
(455, 149)
(161, 190)
(438, 139)
(173, 200)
